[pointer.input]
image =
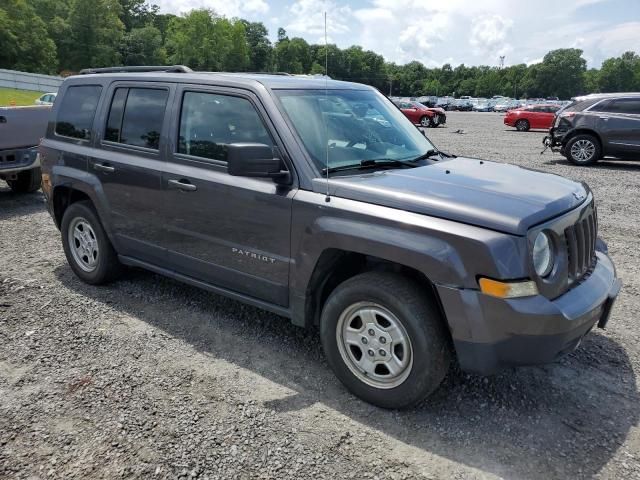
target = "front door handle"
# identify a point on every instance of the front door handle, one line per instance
(183, 185)
(103, 167)
(604, 118)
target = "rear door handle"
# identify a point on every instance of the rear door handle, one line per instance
(103, 167)
(604, 118)
(182, 185)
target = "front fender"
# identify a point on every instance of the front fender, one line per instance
(446, 252)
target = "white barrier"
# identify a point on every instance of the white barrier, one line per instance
(29, 81)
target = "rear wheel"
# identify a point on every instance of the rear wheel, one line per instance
(583, 150)
(86, 245)
(28, 181)
(425, 122)
(522, 125)
(384, 339)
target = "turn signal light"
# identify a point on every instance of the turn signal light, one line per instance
(499, 289)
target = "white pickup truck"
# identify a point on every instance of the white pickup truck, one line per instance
(21, 129)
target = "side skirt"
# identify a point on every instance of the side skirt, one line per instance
(278, 310)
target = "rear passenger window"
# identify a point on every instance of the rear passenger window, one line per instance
(77, 111)
(209, 122)
(136, 116)
(625, 105)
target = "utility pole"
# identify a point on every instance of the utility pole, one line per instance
(390, 85)
(502, 61)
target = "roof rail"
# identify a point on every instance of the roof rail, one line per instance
(138, 69)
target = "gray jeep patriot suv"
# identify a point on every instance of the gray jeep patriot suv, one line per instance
(319, 201)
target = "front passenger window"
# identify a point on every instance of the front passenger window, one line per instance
(209, 122)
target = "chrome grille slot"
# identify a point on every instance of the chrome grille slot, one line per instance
(581, 245)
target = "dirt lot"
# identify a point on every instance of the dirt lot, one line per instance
(149, 378)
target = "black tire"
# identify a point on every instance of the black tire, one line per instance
(522, 125)
(425, 121)
(590, 144)
(434, 121)
(107, 267)
(418, 315)
(28, 181)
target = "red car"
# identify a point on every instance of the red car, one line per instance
(532, 116)
(421, 115)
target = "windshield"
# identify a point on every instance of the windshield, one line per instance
(351, 127)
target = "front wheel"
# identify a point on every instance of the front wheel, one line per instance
(425, 122)
(384, 339)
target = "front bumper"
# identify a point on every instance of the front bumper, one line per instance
(491, 333)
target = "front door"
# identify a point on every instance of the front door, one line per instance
(128, 163)
(232, 232)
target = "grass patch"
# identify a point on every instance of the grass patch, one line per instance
(21, 97)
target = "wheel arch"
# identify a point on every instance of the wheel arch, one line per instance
(583, 131)
(334, 266)
(67, 189)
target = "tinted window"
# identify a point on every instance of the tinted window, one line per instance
(143, 116)
(78, 108)
(625, 105)
(578, 106)
(114, 123)
(209, 122)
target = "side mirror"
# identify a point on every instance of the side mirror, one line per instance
(253, 160)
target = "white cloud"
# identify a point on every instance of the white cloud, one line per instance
(435, 32)
(489, 36)
(307, 17)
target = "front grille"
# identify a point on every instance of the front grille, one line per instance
(581, 245)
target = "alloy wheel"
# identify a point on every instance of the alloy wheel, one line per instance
(583, 150)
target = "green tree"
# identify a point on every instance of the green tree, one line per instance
(259, 46)
(143, 46)
(137, 13)
(200, 39)
(95, 34)
(620, 74)
(24, 40)
(237, 57)
(561, 73)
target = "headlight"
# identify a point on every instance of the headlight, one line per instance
(542, 255)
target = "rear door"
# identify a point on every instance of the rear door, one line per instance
(128, 163)
(229, 231)
(619, 124)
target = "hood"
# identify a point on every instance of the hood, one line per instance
(488, 194)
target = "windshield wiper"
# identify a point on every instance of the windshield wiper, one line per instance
(428, 154)
(372, 163)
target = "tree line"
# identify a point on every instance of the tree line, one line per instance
(64, 36)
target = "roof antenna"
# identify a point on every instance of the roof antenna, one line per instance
(327, 198)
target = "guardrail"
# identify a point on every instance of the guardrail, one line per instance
(29, 81)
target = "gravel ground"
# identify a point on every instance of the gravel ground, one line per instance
(149, 378)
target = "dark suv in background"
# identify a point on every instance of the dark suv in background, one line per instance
(598, 125)
(319, 201)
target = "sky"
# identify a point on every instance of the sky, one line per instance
(473, 32)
